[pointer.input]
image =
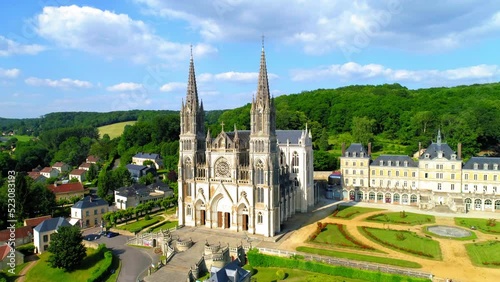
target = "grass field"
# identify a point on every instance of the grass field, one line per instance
(336, 235)
(359, 257)
(114, 130)
(408, 219)
(349, 212)
(484, 254)
(166, 225)
(404, 241)
(268, 274)
(480, 224)
(42, 272)
(139, 225)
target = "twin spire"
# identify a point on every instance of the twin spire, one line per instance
(192, 90)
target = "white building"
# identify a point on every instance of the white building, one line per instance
(245, 180)
(43, 232)
(132, 196)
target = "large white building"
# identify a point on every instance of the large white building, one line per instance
(438, 178)
(244, 180)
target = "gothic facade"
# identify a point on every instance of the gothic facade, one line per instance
(245, 180)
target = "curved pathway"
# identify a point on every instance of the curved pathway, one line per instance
(455, 265)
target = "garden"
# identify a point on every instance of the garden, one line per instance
(488, 226)
(485, 253)
(336, 235)
(402, 217)
(141, 224)
(164, 226)
(404, 241)
(349, 212)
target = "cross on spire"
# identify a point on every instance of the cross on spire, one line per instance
(222, 125)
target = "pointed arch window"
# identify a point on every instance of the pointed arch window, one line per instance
(259, 172)
(295, 162)
(260, 195)
(188, 169)
(259, 218)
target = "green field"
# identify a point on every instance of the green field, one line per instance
(268, 274)
(397, 218)
(114, 130)
(20, 138)
(404, 241)
(480, 224)
(42, 272)
(166, 225)
(359, 257)
(484, 254)
(348, 212)
(336, 235)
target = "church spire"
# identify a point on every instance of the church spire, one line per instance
(263, 85)
(192, 91)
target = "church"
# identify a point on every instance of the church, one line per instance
(244, 180)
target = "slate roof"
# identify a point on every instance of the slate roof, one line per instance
(244, 135)
(394, 159)
(136, 167)
(232, 272)
(51, 224)
(358, 149)
(89, 202)
(292, 136)
(147, 156)
(32, 222)
(481, 161)
(66, 188)
(138, 189)
(434, 148)
(20, 232)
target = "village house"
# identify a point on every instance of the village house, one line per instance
(92, 159)
(140, 158)
(61, 167)
(5, 257)
(88, 211)
(78, 174)
(44, 230)
(85, 166)
(49, 172)
(23, 235)
(37, 176)
(136, 171)
(67, 191)
(137, 193)
(33, 222)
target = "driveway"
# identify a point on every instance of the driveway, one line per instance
(135, 261)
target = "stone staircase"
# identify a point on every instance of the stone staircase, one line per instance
(442, 209)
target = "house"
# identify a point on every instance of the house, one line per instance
(89, 210)
(67, 191)
(33, 222)
(232, 272)
(37, 176)
(92, 159)
(49, 172)
(78, 174)
(23, 235)
(85, 166)
(61, 167)
(43, 231)
(6, 254)
(139, 159)
(136, 171)
(137, 193)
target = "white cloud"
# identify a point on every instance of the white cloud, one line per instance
(64, 83)
(353, 71)
(173, 86)
(231, 76)
(10, 47)
(9, 73)
(344, 25)
(108, 34)
(125, 86)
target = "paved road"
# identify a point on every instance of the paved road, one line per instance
(134, 260)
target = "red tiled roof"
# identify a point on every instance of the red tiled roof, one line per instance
(21, 232)
(66, 188)
(32, 222)
(34, 174)
(77, 172)
(4, 251)
(46, 169)
(92, 159)
(58, 164)
(85, 165)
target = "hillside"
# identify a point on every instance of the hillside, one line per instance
(114, 130)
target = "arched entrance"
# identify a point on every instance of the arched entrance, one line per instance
(243, 217)
(201, 215)
(387, 198)
(221, 211)
(351, 195)
(468, 203)
(359, 196)
(477, 204)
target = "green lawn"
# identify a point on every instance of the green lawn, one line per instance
(484, 254)
(166, 225)
(114, 130)
(139, 225)
(348, 212)
(404, 241)
(22, 138)
(42, 272)
(336, 235)
(268, 274)
(359, 257)
(116, 266)
(408, 219)
(480, 224)
(13, 277)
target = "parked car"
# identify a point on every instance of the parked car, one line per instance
(111, 234)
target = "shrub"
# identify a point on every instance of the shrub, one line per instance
(147, 217)
(280, 274)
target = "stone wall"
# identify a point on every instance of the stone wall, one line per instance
(321, 175)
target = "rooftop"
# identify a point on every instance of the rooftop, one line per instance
(89, 202)
(66, 188)
(32, 222)
(51, 224)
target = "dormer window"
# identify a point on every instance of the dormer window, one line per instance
(362, 154)
(440, 154)
(354, 154)
(397, 163)
(485, 166)
(347, 154)
(475, 165)
(427, 156)
(406, 163)
(381, 163)
(389, 163)
(453, 157)
(495, 166)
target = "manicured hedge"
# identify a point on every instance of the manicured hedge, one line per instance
(257, 259)
(100, 273)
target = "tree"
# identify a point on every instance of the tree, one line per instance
(92, 172)
(147, 179)
(67, 250)
(323, 141)
(362, 129)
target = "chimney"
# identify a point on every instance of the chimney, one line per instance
(343, 149)
(459, 151)
(419, 148)
(369, 149)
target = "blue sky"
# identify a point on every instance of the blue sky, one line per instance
(61, 55)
